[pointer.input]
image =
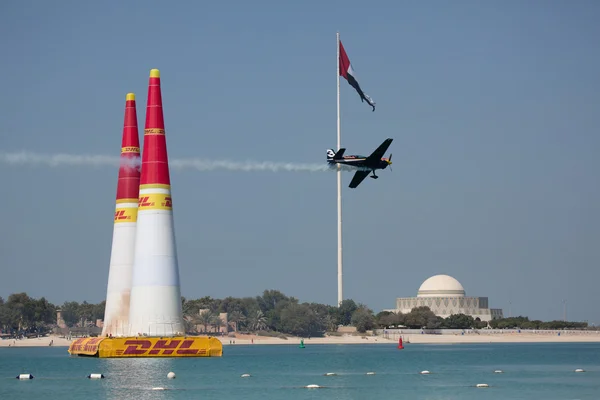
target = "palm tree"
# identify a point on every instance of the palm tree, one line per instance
(237, 317)
(257, 321)
(217, 323)
(190, 324)
(205, 319)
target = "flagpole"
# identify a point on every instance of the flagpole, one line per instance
(339, 179)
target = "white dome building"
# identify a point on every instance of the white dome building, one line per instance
(444, 295)
(441, 286)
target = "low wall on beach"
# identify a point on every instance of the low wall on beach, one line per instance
(397, 333)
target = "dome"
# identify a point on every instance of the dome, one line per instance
(441, 286)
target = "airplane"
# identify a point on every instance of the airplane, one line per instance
(364, 164)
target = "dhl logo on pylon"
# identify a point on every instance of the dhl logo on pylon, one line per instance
(126, 215)
(130, 149)
(167, 347)
(86, 344)
(128, 347)
(155, 201)
(145, 202)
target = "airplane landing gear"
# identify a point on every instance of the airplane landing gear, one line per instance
(374, 176)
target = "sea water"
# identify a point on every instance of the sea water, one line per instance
(530, 371)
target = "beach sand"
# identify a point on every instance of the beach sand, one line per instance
(524, 337)
(509, 337)
(36, 342)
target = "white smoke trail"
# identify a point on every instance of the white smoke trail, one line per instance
(57, 160)
(212, 165)
(198, 164)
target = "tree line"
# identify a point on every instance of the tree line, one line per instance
(423, 317)
(272, 312)
(524, 323)
(25, 315)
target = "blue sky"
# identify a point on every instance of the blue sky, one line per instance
(493, 107)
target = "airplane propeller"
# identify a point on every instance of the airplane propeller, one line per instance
(390, 162)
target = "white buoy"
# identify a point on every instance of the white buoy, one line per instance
(312, 386)
(245, 375)
(498, 371)
(370, 373)
(24, 376)
(95, 376)
(579, 370)
(171, 375)
(330, 374)
(482, 385)
(425, 372)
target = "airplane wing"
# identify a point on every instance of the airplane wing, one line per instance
(340, 154)
(380, 151)
(358, 178)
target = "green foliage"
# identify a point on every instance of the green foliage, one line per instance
(422, 317)
(190, 307)
(74, 313)
(21, 313)
(459, 321)
(270, 299)
(237, 318)
(272, 313)
(388, 318)
(345, 311)
(480, 324)
(525, 323)
(231, 304)
(206, 319)
(363, 319)
(70, 312)
(301, 320)
(257, 321)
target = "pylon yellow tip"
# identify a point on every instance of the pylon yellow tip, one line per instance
(130, 96)
(154, 73)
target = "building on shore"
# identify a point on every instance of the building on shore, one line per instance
(444, 296)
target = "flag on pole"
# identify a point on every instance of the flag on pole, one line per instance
(347, 72)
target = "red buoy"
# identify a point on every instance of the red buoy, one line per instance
(400, 346)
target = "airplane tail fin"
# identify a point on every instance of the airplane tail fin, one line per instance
(332, 155)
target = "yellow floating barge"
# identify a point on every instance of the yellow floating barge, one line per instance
(125, 347)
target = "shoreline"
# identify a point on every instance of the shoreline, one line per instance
(523, 337)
